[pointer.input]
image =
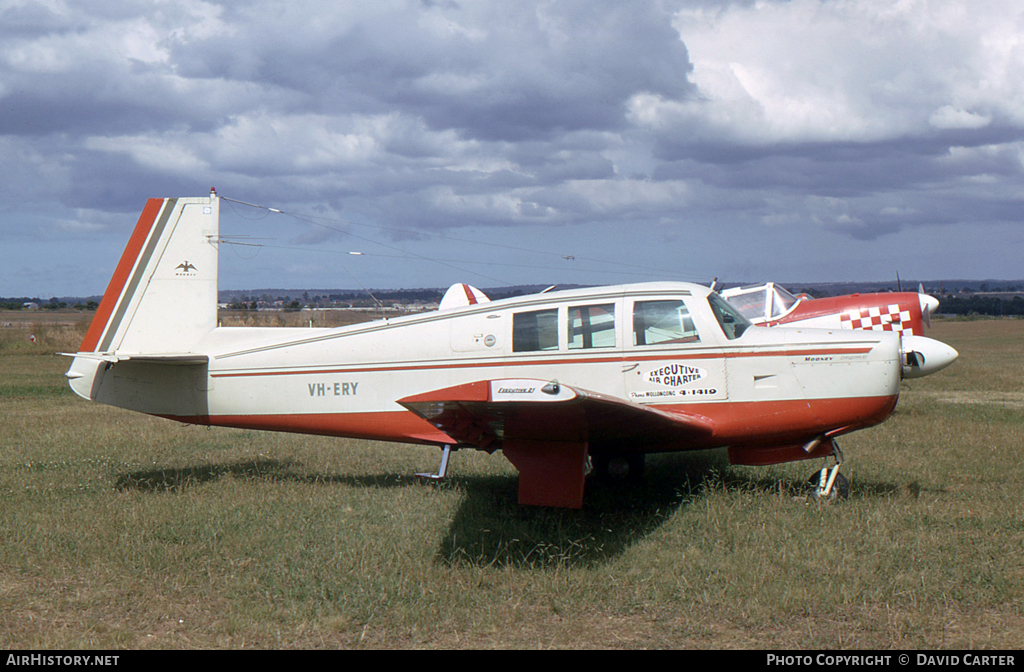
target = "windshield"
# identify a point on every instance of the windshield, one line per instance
(783, 302)
(750, 303)
(732, 321)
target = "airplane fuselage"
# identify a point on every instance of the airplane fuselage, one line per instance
(766, 387)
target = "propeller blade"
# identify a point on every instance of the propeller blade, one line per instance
(928, 306)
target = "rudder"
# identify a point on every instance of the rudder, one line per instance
(162, 297)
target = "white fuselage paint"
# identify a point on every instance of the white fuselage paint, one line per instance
(366, 368)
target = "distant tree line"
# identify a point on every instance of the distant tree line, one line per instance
(18, 303)
(960, 304)
(981, 305)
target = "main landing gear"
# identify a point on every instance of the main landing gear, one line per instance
(619, 467)
(828, 483)
(442, 470)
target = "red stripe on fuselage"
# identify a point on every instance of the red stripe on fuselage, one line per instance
(550, 362)
(121, 274)
(751, 424)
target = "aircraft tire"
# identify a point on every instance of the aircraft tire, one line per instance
(840, 488)
(619, 467)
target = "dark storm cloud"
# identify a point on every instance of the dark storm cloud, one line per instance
(502, 71)
(779, 123)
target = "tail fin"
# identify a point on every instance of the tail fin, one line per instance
(163, 295)
(460, 295)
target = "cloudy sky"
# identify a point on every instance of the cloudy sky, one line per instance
(576, 141)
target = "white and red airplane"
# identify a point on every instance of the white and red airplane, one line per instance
(771, 305)
(558, 381)
(905, 313)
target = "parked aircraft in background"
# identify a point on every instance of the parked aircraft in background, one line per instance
(557, 381)
(905, 313)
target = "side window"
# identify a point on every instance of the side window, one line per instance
(662, 322)
(592, 326)
(537, 330)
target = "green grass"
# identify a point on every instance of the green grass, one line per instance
(122, 530)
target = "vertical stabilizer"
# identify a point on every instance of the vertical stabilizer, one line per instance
(163, 295)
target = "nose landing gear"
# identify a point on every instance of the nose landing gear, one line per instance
(828, 483)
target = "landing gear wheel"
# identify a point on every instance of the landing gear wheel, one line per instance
(619, 467)
(840, 486)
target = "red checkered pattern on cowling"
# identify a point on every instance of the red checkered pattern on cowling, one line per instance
(877, 318)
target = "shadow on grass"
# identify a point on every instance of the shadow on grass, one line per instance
(799, 488)
(175, 480)
(490, 528)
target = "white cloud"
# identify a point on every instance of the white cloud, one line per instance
(167, 155)
(947, 117)
(814, 71)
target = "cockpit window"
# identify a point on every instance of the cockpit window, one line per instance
(662, 322)
(750, 303)
(537, 330)
(592, 326)
(732, 320)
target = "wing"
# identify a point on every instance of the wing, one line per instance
(487, 413)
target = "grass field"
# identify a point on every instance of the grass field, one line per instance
(124, 531)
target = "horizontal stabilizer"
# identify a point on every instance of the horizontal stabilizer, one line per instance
(181, 358)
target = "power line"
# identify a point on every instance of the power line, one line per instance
(647, 270)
